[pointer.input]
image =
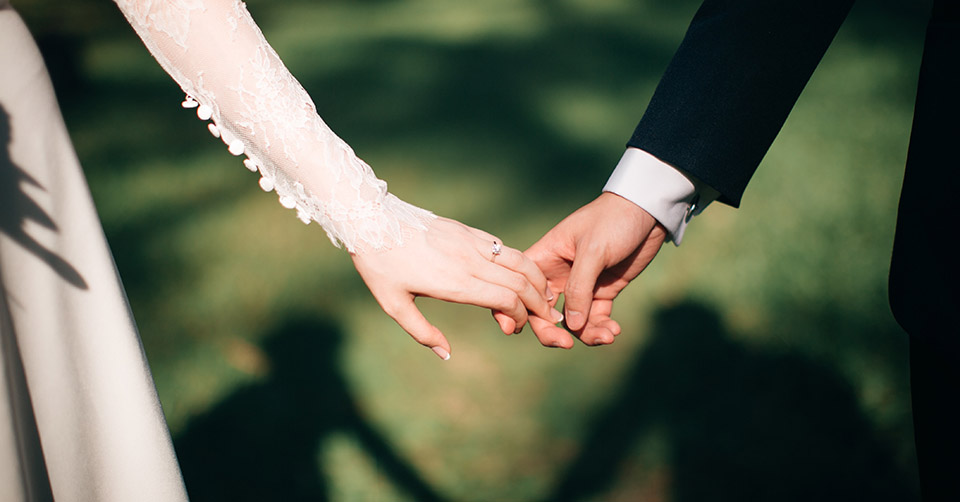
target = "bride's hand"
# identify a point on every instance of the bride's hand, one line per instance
(453, 262)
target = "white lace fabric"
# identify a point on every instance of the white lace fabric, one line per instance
(214, 50)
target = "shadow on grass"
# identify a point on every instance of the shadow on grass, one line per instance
(738, 420)
(261, 442)
(739, 423)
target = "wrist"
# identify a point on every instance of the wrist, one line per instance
(666, 192)
(376, 226)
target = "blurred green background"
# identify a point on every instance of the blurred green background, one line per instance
(758, 361)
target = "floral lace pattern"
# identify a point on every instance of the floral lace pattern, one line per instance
(214, 50)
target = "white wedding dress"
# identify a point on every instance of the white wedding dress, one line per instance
(79, 414)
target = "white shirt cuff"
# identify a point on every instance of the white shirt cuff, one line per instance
(668, 193)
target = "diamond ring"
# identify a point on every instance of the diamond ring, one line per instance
(495, 250)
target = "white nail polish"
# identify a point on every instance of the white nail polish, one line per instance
(557, 316)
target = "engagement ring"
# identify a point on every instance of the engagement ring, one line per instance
(495, 250)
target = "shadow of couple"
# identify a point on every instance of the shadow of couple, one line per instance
(739, 423)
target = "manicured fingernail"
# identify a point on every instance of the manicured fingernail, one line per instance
(550, 296)
(440, 351)
(557, 316)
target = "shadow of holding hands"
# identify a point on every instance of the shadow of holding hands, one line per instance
(739, 423)
(261, 442)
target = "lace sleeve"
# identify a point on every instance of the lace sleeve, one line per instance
(233, 78)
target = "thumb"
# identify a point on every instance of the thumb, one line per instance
(409, 318)
(578, 294)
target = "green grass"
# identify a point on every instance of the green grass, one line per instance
(759, 354)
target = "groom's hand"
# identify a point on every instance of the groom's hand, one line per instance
(591, 256)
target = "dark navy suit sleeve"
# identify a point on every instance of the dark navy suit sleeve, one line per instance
(731, 84)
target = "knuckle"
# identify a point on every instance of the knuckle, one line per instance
(393, 308)
(517, 283)
(508, 302)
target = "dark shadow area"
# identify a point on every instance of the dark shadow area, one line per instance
(17, 208)
(63, 34)
(739, 423)
(261, 442)
(486, 91)
(487, 100)
(489, 95)
(890, 22)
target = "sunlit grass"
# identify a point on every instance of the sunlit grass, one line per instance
(467, 108)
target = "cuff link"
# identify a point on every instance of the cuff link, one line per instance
(691, 211)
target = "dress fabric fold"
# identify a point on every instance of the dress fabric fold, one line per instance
(79, 414)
